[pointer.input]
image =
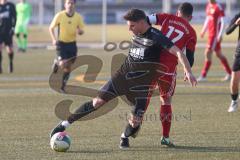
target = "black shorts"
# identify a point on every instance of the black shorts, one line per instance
(6, 39)
(67, 50)
(236, 63)
(137, 94)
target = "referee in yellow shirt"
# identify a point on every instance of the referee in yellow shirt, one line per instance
(69, 24)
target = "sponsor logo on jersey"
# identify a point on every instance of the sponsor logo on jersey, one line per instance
(137, 53)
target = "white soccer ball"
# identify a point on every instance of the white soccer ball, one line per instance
(60, 142)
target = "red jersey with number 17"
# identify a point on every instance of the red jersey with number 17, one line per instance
(178, 30)
(214, 12)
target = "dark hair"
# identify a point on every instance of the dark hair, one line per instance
(73, 1)
(186, 9)
(135, 15)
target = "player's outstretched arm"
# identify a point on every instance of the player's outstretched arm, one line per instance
(233, 24)
(184, 61)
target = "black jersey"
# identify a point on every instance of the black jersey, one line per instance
(232, 26)
(136, 77)
(7, 17)
(145, 48)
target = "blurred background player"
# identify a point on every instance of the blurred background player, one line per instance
(24, 11)
(214, 22)
(69, 24)
(7, 24)
(234, 85)
(182, 34)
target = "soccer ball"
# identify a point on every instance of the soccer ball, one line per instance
(60, 142)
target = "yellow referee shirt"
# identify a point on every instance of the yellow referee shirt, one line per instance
(67, 25)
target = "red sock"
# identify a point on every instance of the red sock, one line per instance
(206, 67)
(166, 118)
(226, 65)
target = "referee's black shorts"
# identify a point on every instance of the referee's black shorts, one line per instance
(7, 39)
(66, 50)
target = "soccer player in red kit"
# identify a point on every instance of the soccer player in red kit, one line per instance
(214, 22)
(182, 34)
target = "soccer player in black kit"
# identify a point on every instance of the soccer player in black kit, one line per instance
(234, 85)
(7, 24)
(135, 77)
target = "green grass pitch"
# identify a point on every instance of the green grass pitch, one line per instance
(201, 128)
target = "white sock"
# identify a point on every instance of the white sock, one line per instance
(66, 124)
(123, 135)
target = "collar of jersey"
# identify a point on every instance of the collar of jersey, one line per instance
(69, 15)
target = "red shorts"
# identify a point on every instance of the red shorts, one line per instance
(167, 80)
(213, 44)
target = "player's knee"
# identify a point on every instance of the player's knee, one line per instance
(208, 51)
(98, 102)
(10, 49)
(219, 55)
(165, 100)
(65, 65)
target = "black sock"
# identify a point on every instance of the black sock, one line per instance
(10, 56)
(130, 131)
(234, 96)
(82, 111)
(0, 59)
(66, 76)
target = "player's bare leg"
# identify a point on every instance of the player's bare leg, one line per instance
(19, 42)
(66, 66)
(234, 85)
(225, 64)
(207, 65)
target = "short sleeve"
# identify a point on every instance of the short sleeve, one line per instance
(191, 43)
(161, 18)
(80, 22)
(221, 11)
(55, 21)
